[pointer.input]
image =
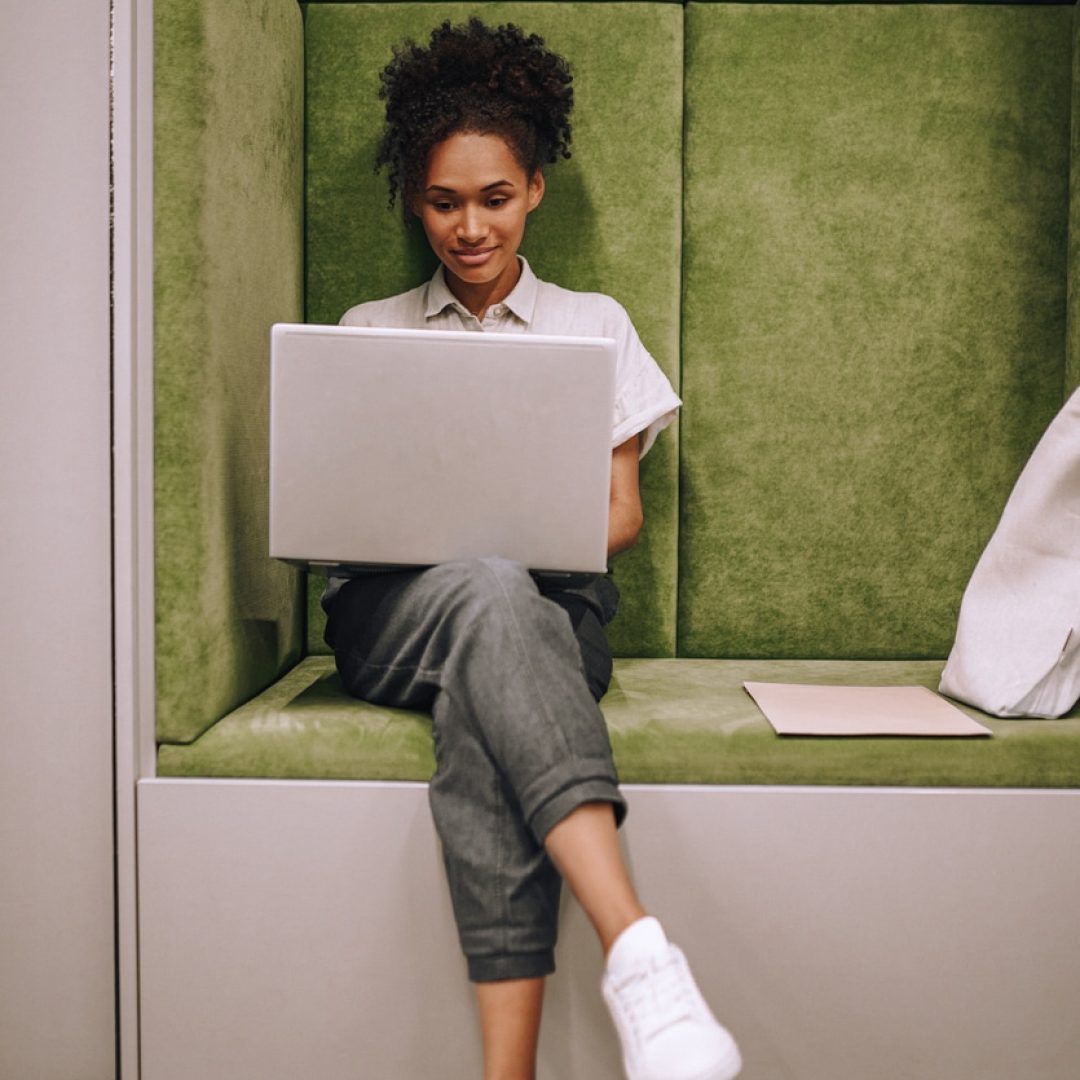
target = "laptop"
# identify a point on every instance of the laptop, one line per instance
(398, 448)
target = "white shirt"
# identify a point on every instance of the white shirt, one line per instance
(644, 399)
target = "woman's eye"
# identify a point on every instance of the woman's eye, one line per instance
(498, 200)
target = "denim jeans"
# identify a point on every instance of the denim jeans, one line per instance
(511, 671)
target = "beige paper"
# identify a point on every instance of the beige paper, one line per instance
(795, 709)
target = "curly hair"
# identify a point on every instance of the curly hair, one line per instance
(473, 78)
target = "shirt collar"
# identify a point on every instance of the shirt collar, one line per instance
(439, 296)
(521, 301)
(522, 298)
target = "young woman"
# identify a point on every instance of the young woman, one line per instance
(525, 793)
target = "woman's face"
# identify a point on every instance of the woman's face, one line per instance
(473, 208)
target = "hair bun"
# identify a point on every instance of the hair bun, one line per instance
(473, 77)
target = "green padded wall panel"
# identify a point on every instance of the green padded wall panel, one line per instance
(874, 305)
(228, 138)
(880, 3)
(610, 221)
(1073, 370)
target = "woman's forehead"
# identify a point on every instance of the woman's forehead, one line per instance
(471, 159)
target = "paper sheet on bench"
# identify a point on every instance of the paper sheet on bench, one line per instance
(795, 709)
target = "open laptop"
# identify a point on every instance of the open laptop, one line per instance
(394, 448)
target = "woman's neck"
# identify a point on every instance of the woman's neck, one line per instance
(479, 296)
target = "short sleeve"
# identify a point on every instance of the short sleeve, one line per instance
(644, 399)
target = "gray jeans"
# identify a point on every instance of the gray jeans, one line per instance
(511, 671)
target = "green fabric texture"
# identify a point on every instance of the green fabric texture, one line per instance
(1072, 371)
(885, 3)
(876, 213)
(875, 256)
(670, 721)
(228, 115)
(598, 229)
(316, 3)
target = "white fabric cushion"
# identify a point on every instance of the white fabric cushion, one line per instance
(1017, 649)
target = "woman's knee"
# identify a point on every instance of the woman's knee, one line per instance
(486, 568)
(479, 583)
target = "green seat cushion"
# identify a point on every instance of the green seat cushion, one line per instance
(671, 721)
(876, 213)
(610, 220)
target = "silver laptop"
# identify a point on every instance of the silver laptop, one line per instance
(393, 448)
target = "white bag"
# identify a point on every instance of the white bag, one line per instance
(1017, 649)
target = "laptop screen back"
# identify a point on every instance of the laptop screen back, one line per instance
(411, 447)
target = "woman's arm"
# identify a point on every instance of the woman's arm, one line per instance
(625, 516)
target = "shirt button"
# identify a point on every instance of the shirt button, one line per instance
(498, 311)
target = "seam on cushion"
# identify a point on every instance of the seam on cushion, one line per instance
(677, 426)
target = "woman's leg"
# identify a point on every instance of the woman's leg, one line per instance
(519, 740)
(523, 762)
(585, 849)
(510, 1027)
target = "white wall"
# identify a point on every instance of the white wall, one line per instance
(56, 848)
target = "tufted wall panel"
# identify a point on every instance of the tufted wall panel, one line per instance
(610, 221)
(228, 122)
(874, 238)
(874, 313)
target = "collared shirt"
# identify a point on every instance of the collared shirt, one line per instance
(644, 399)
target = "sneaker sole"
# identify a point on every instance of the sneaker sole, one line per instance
(727, 1069)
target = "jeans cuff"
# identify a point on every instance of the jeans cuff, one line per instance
(550, 813)
(531, 965)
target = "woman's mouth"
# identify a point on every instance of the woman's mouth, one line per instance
(472, 256)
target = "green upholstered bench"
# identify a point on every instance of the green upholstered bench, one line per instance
(842, 230)
(671, 721)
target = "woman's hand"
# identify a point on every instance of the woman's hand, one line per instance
(625, 516)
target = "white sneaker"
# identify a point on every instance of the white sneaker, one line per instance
(666, 1029)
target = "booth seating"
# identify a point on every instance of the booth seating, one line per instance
(844, 232)
(841, 231)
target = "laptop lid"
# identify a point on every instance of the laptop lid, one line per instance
(394, 447)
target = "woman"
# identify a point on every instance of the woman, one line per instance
(525, 793)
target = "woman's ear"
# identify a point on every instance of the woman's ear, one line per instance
(536, 190)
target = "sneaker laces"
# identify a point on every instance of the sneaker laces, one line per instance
(657, 997)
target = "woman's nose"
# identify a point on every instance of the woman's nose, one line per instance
(471, 226)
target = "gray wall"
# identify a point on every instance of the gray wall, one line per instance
(56, 849)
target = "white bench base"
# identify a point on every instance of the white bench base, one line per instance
(303, 929)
